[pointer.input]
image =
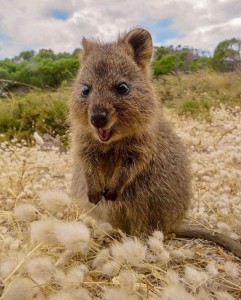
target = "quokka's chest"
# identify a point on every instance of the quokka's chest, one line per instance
(107, 164)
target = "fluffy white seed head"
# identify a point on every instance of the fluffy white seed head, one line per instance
(22, 288)
(82, 294)
(172, 276)
(158, 235)
(163, 257)
(15, 245)
(55, 201)
(63, 295)
(7, 242)
(212, 270)
(40, 269)
(74, 277)
(128, 280)
(181, 254)
(231, 269)
(131, 251)
(43, 231)
(177, 255)
(117, 293)
(110, 268)
(101, 258)
(194, 276)
(74, 236)
(224, 296)
(174, 292)
(151, 257)
(59, 276)
(25, 212)
(203, 295)
(7, 266)
(102, 230)
(156, 245)
(88, 221)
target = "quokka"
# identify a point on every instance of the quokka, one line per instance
(127, 159)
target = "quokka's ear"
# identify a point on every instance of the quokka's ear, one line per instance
(140, 42)
(88, 46)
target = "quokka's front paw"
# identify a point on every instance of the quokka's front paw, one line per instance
(110, 194)
(94, 197)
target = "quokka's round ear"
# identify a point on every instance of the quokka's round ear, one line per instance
(140, 42)
(87, 46)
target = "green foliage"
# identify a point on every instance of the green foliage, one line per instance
(24, 55)
(3, 73)
(166, 64)
(9, 65)
(227, 55)
(201, 63)
(44, 69)
(76, 52)
(179, 59)
(162, 51)
(45, 54)
(44, 112)
(195, 106)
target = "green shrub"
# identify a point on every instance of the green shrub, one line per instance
(166, 64)
(195, 106)
(200, 63)
(44, 112)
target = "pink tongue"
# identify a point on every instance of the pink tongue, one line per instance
(104, 133)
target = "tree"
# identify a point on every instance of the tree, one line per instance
(76, 52)
(227, 55)
(166, 64)
(24, 55)
(160, 52)
(45, 54)
(201, 63)
(44, 69)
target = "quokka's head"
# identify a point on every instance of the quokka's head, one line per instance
(113, 97)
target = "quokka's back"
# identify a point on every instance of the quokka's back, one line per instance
(126, 156)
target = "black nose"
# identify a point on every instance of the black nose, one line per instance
(99, 119)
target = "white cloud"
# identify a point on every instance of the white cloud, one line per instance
(201, 24)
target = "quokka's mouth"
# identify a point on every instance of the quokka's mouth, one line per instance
(105, 134)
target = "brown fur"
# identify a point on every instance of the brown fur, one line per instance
(143, 167)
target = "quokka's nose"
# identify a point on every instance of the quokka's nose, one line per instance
(99, 119)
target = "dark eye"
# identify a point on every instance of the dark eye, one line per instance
(85, 90)
(122, 88)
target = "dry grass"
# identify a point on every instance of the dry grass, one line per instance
(86, 273)
(196, 93)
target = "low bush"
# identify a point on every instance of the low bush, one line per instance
(44, 112)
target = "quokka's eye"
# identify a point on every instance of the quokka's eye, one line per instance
(85, 90)
(122, 88)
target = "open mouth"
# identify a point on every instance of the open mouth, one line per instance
(105, 134)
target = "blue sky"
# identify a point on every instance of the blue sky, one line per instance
(161, 30)
(3, 37)
(59, 14)
(60, 24)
